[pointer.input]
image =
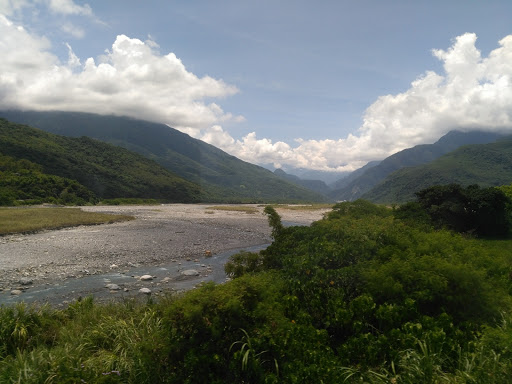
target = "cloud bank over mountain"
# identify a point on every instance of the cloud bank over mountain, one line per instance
(133, 78)
(474, 93)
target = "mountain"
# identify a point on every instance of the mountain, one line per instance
(328, 177)
(317, 186)
(221, 177)
(23, 182)
(105, 169)
(342, 183)
(420, 154)
(484, 164)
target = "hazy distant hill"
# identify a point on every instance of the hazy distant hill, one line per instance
(221, 176)
(328, 177)
(420, 154)
(107, 170)
(342, 183)
(483, 164)
(315, 185)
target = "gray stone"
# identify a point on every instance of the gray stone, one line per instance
(146, 278)
(16, 292)
(190, 272)
(113, 287)
(25, 281)
(145, 291)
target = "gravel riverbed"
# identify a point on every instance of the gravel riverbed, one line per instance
(174, 246)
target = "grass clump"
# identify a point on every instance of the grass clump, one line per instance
(21, 220)
(304, 207)
(235, 208)
(130, 201)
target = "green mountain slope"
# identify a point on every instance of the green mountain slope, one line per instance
(23, 182)
(420, 154)
(223, 177)
(106, 170)
(484, 164)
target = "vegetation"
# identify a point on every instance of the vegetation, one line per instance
(222, 178)
(21, 220)
(361, 183)
(108, 171)
(129, 201)
(304, 207)
(235, 208)
(364, 295)
(472, 210)
(23, 183)
(488, 165)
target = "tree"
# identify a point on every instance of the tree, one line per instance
(274, 220)
(482, 211)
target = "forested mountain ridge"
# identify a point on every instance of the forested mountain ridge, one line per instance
(107, 170)
(23, 182)
(484, 164)
(223, 177)
(417, 155)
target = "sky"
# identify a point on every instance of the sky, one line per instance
(327, 85)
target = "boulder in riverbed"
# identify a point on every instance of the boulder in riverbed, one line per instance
(145, 291)
(190, 272)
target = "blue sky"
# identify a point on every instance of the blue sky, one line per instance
(322, 85)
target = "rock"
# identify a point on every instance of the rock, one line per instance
(145, 291)
(113, 266)
(190, 272)
(113, 287)
(146, 278)
(208, 253)
(25, 281)
(16, 292)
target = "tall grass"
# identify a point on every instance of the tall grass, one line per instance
(131, 342)
(114, 343)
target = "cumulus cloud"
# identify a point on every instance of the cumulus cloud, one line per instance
(130, 79)
(134, 79)
(473, 93)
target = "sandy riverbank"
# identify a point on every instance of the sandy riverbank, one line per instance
(176, 235)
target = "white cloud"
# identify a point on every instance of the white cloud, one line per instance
(10, 7)
(131, 79)
(73, 60)
(73, 30)
(474, 93)
(134, 79)
(68, 7)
